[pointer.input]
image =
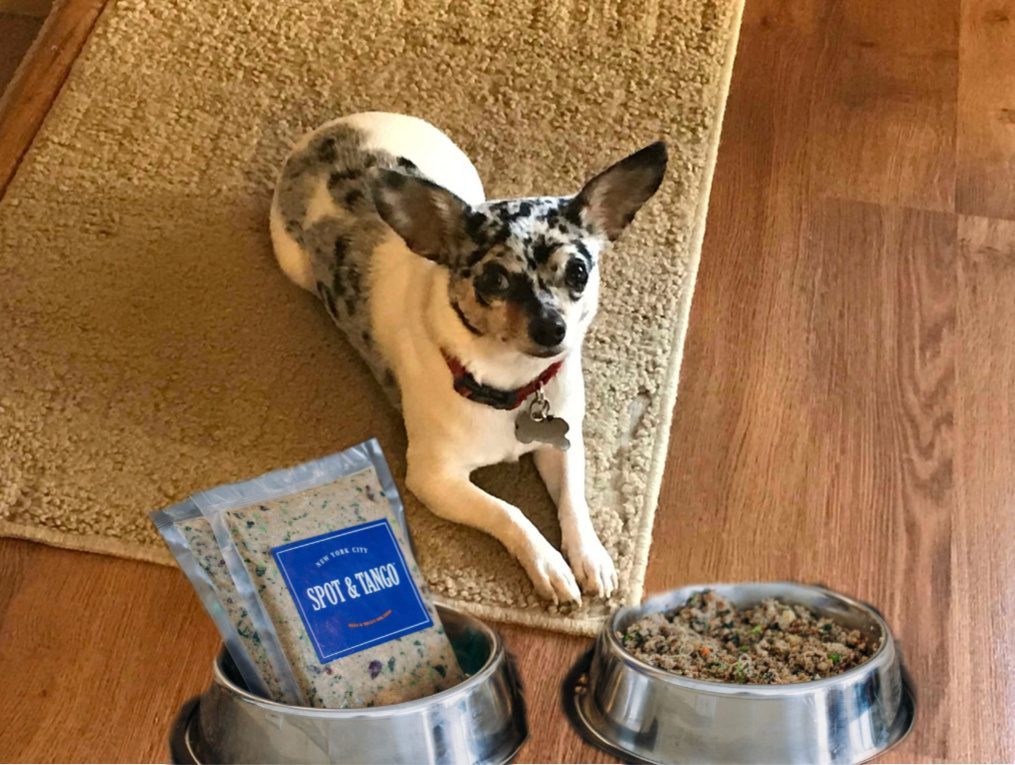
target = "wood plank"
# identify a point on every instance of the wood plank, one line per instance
(986, 121)
(38, 9)
(885, 104)
(983, 559)
(544, 659)
(17, 33)
(101, 651)
(38, 80)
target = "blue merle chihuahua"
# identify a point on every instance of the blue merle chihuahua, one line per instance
(470, 312)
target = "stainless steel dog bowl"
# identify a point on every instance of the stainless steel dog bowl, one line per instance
(645, 714)
(481, 720)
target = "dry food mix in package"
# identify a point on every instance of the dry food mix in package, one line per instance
(189, 537)
(321, 555)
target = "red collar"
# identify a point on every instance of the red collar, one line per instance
(466, 385)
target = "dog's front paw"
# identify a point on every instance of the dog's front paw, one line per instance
(550, 574)
(593, 566)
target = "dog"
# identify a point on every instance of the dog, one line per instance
(471, 314)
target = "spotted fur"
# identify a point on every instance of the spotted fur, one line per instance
(325, 200)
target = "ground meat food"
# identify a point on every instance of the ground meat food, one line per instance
(772, 643)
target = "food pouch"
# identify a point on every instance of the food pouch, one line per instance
(189, 537)
(324, 547)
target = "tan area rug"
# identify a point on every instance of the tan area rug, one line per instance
(150, 347)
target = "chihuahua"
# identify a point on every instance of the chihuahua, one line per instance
(471, 313)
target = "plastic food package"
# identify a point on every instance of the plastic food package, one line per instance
(324, 549)
(189, 537)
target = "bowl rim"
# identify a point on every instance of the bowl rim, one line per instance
(886, 649)
(495, 659)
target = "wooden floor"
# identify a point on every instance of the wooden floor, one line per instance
(16, 35)
(20, 21)
(846, 414)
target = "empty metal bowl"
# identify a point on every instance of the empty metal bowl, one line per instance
(645, 714)
(481, 720)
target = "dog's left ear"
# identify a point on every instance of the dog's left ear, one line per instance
(610, 200)
(427, 216)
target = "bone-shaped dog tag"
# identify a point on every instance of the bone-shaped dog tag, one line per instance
(537, 424)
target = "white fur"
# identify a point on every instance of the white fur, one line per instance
(434, 154)
(291, 258)
(450, 436)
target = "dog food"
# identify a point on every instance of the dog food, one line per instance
(331, 565)
(773, 643)
(190, 539)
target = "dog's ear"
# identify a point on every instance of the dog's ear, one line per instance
(610, 200)
(427, 216)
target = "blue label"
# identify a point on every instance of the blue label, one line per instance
(352, 589)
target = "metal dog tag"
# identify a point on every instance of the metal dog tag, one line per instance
(537, 424)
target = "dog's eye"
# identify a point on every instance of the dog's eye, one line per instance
(576, 276)
(493, 280)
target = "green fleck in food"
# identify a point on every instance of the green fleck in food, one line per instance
(355, 680)
(208, 555)
(773, 642)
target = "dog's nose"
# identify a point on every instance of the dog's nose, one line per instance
(547, 329)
